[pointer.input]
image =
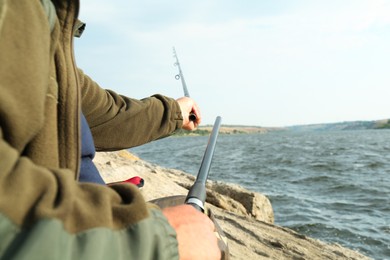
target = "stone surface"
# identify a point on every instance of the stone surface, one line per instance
(246, 217)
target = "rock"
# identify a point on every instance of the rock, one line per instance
(256, 205)
(246, 217)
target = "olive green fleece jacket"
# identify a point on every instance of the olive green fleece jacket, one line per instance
(44, 212)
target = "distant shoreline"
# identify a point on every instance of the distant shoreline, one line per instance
(226, 129)
(242, 129)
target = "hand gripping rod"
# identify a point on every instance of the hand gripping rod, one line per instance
(183, 83)
(197, 194)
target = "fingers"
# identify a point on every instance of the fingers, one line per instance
(195, 233)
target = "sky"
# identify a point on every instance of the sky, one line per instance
(252, 62)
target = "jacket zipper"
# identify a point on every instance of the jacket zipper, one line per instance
(78, 101)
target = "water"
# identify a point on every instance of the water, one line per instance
(333, 186)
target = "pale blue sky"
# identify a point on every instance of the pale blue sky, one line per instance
(264, 62)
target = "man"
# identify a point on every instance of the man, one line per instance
(45, 213)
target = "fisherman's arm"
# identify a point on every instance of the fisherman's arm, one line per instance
(119, 122)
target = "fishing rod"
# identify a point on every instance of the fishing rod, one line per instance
(197, 194)
(180, 76)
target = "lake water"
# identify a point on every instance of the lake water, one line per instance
(333, 186)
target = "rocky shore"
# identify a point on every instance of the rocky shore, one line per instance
(246, 217)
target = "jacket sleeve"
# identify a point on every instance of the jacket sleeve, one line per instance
(45, 214)
(119, 122)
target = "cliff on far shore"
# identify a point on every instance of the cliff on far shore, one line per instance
(246, 217)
